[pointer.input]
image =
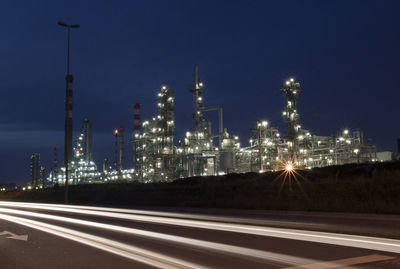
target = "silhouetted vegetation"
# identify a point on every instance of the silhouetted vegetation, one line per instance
(372, 188)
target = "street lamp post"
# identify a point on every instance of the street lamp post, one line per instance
(68, 112)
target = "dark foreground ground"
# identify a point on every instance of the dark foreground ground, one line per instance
(363, 188)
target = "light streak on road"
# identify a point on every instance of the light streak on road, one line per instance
(344, 263)
(253, 254)
(121, 249)
(373, 243)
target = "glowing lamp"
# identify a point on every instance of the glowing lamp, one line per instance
(289, 167)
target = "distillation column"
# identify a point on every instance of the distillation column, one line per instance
(136, 134)
(198, 101)
(290, 115)
(88, 141)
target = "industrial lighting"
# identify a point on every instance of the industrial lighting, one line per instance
(289, 167)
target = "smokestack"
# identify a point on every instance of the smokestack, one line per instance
(33, 169)
(37, 168)
(196, 77)
(136, 118)
(105, 161)
(88, 141)
(116, 149)
(121, 147)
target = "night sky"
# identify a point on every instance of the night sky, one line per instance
(345, 54)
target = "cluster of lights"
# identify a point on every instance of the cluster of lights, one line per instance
(268, 148)
(291, 80)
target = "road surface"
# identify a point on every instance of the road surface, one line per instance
(58, 236)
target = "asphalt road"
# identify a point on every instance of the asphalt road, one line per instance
(58, 236)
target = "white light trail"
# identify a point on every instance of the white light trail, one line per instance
(261, 256)
(373, 243)
(121, 249)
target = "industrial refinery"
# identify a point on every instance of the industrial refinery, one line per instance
(160, 156)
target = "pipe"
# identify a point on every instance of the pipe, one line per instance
(220, 119)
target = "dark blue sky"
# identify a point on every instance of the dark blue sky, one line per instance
(344, 53)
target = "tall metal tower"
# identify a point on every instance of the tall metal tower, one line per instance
(68, 111)
(35, 170)
(88, 141)
(197, 91)
(136, 134)
(290, 115)
(116, 149)
(121, 148)
(33, 175)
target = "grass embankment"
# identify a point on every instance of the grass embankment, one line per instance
(350, 188)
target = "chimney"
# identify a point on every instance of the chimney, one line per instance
(116, 149)
(121, 147)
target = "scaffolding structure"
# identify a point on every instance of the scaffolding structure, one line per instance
(155, 158)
